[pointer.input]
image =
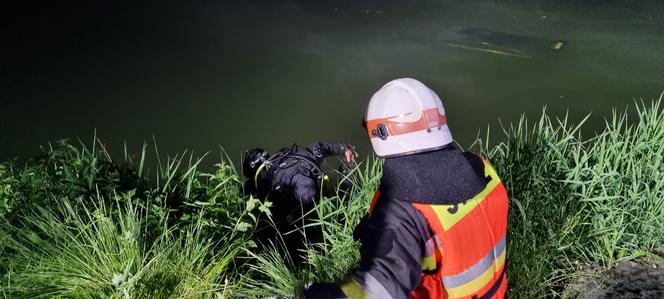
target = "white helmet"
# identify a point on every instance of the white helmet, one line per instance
(406, 117)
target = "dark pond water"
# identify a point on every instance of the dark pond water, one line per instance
(200, 74)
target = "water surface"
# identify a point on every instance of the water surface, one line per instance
(200, 74)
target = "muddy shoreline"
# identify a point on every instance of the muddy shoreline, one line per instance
(640, 278)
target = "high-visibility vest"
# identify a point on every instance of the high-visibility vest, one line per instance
(465, 258)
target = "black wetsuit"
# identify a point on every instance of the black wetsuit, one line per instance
(393, 237)
(293, 173)
(291, 180)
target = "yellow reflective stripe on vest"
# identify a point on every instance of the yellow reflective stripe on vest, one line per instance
(477, 276)
(353, 290)
(429, 263)
(364, 286)
(448, 220)
(429, 260)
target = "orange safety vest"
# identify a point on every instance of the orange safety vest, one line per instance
(465, 258)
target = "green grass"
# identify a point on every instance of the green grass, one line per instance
(62, 252)
(580, 201)
(74, 223)
(77, 225)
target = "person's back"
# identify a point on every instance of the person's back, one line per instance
(437, 225)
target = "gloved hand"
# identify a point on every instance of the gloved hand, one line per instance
(351, 153)
(348, 163)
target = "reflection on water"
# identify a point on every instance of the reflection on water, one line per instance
(242, 74)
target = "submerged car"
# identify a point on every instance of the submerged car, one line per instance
(495, 42)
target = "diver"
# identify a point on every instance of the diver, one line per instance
(294, 172)
(291, 179)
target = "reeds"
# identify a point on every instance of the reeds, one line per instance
(176, 237)
(62, 252)
(580, 203)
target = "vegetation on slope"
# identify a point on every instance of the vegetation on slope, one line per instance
(75, 223)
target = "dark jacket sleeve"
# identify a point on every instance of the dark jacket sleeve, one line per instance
(392, 248)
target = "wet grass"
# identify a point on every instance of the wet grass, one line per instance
(75, 223)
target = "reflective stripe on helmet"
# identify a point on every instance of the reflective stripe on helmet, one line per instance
(406, 117)
(429, 119)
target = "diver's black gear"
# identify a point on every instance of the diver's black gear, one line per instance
(291, 179)
(294, 172)
(250, 160)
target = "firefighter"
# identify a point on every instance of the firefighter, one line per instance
(437, 224)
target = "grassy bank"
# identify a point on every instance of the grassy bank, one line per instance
(76, 222)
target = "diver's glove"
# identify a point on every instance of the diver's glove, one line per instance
(350, 153)
(348, 161)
